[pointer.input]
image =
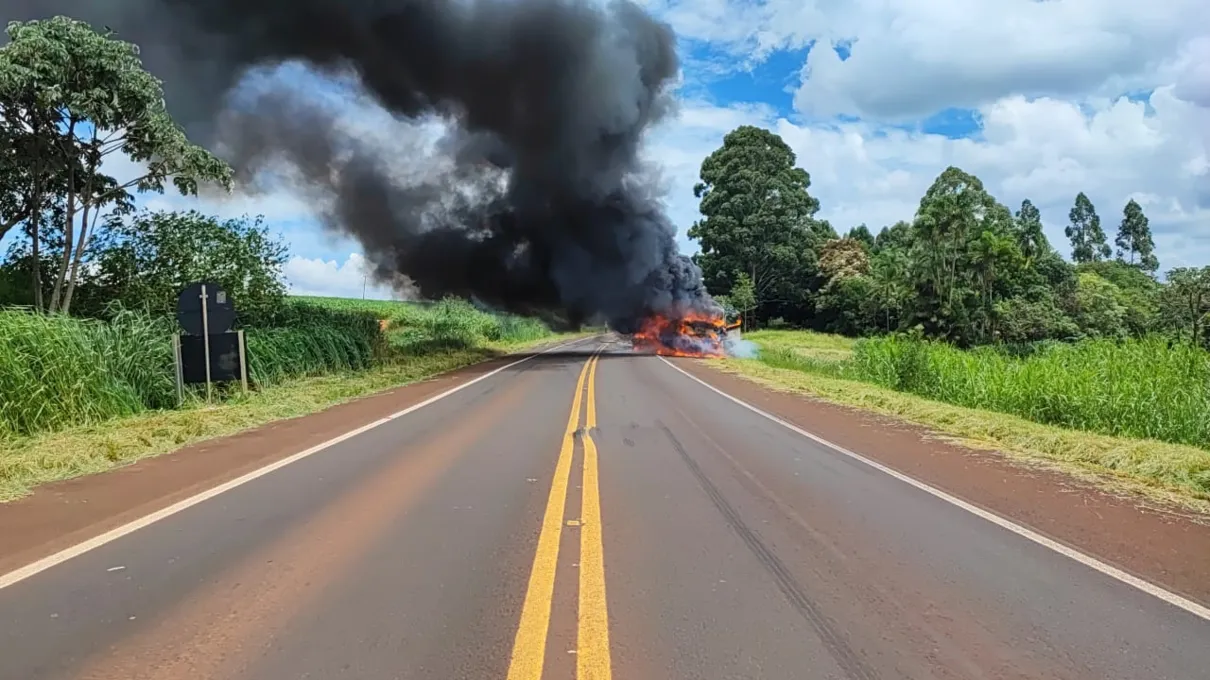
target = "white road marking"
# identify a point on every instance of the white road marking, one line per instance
(95, 542)
(1089, 561)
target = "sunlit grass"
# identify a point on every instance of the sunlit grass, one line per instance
(26, 462)
(78, 396)
(1136, 411)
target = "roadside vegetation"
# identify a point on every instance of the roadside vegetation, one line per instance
(1135, 411)
(79, 396)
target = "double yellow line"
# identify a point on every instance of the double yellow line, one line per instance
(529, 647)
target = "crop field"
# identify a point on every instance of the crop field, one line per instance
(383, 309)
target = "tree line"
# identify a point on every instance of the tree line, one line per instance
(965, 269)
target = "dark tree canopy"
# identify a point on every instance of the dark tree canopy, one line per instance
(1134, 242)
(758, 219)
(1030, 238)
(861, 233)
(1087, 237)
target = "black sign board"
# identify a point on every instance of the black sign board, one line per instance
(224, 358)
(220, 309)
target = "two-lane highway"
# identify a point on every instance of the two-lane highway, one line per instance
(585, 513)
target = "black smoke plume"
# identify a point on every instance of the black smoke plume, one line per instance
(533, 198)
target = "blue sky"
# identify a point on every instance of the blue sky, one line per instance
(1041, 100)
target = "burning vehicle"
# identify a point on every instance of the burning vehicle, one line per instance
(688, 335)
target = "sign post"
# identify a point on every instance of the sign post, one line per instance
(208, 351)
(180, 380)
(206, 338)
(243, 361)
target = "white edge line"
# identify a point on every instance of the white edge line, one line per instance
(95, 542)
(1084, 559)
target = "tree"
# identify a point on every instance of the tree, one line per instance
(743, 297)
(71, 97)
(1187, 301)
(850, 305)
(954, 279)
(843, 258)
(1134, 238)
(156, 254)
(1087, 237)
(1138, 292)
(1100, 312)
(890, 273)
(861, 234)
(758, 218)
(1021, 319)
(993, 254)
(897, 236)
(1030, 238)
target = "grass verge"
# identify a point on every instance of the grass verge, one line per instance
(26, 462)
(1172, 474)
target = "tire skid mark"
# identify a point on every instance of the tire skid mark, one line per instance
(833, 640)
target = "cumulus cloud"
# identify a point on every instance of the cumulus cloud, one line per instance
(913, 57)
(332, 278)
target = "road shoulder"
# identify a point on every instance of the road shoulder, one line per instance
(1164, 546)
(61, 514)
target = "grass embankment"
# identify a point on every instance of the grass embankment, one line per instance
(79, 397)
(1135, 412)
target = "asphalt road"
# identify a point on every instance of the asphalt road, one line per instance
(642, 527)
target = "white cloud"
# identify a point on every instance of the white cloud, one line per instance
(913, 57)
(307, 276)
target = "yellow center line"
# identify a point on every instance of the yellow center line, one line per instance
(592, 654)
(529, 646)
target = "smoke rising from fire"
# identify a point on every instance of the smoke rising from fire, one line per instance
(532, 198)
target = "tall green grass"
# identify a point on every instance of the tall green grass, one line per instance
(1147, 389)
(456, 324)
(56, 371)
(277, 354)
(382, 309)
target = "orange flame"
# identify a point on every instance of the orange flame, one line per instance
(692, 334)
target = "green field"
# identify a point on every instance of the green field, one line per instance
(383, 309)
(1139, 408)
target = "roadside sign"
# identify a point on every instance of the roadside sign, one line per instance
(198, 315)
